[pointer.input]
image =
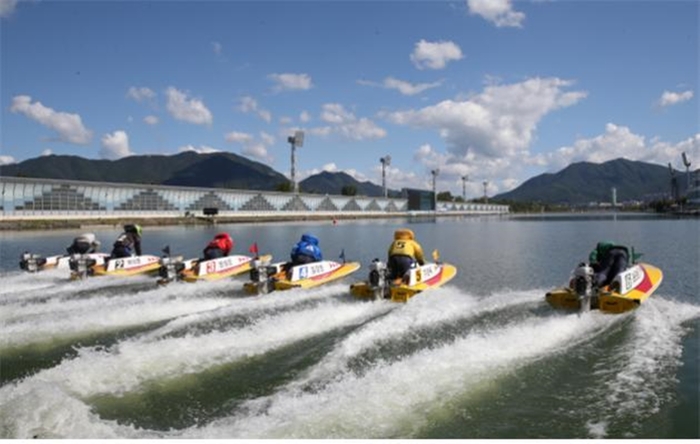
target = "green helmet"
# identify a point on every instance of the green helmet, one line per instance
(138, 230)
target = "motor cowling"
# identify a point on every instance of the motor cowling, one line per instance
(583, 280)
(31, 262)
(377, 277)
(170, 269)
(81, 265)
(260, 273)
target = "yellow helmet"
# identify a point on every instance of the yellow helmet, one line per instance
(403, 234)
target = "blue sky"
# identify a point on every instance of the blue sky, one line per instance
(494, 90)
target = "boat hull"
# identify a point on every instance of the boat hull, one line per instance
(128, 266)
(423, 278)
(220, 268)
(307, 276)
(609, 299)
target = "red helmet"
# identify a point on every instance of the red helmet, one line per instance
(224, 242)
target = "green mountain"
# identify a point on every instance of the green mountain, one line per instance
(333, 183)
(217, 170)
(585, 182)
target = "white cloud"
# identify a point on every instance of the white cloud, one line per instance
(186, 109)
(345, 124)
(7, 7)
(140, 94)
(68, 126)
(115, 145)
(405, 88)
(669, 98)
(47, 152)
(216, 47)
(500, 121)
(304, 117)
(202, 149)
(151, 120)
(7, 160)
(291, 82)
(435, 55)
(250, 105)
(251, 147)
(498, 12)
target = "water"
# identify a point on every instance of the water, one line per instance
(483, 357)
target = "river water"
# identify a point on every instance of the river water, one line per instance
(482, 357)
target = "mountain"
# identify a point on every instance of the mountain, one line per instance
(584, 182)
(333, 183)
(217, 170)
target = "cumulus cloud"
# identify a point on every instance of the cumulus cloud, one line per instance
(68, 126)
(618, 141)
(115, 145)
(304, 117)
(7, 160)
(190, 110)
(250, 105)
(216, 47)
(345, 124)
(404, 87)
(202, 149)
(251, 146)
(151, 120)
(669, 98)
(47, 152)
(291, 82)
(498, 12)
(7, 7)
(435, 55)
(500, 121)
(140, 94)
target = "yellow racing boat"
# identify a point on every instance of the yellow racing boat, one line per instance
(628, 290)
(266, 277)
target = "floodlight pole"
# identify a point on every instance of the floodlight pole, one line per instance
(296, 140)
(386, 161)
(464, 187)
(486, 197)
(435, 172)
(686, 162)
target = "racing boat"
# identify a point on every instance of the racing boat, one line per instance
(193, 270)
(35, 262)
(82, 267)
(266, 277)
(418, 279)
(629, 289)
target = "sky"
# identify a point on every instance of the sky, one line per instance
(463, 92)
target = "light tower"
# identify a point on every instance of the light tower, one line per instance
(686, 162)
(464, 187)
(297, 140)
(486, 186)
(435, 172)
(386, 161)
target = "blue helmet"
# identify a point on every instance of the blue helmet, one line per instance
(310, 238)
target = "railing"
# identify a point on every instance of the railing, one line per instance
(30, 198)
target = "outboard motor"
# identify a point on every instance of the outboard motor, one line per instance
(81, 266)
(583, 285)
(169, 270)
(260, 273)
(377, 278)
(31, 262)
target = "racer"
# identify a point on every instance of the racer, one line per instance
(128, 243)
(608, 260)
(220, 246)
(306, 250)
(86, 243)
(404, 253)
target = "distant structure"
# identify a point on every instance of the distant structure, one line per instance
(614, 196)
(486, 197)
(674, 183)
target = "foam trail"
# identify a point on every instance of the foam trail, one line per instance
(639, 375)
(396, 396)
(441, 306)
(134, 362)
